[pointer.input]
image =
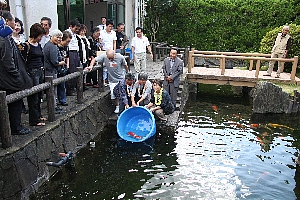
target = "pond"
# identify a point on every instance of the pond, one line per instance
(220, 150)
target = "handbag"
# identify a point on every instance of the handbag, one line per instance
(62, 71)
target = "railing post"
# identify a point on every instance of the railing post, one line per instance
(257, 68)
(186, 56)
(223, 65)
(5, 131)
(50, 99)
(80, 85)
(251, 65)
(191, 63)
(294, 68)
(154, 52)
(100, 79)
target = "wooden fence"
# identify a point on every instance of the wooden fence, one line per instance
(258, 57)
(48, 86)
(162, 49)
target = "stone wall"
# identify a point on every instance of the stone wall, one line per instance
(269, 98)
(23, 167)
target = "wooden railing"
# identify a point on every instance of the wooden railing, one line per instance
(48, 87)
(161, 50)
(258, 57)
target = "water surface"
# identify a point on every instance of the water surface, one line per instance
(220, 150)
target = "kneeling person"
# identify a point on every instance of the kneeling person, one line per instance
(160, 103)
(123, 91)
(141, 92)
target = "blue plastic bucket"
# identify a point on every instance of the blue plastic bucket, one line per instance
(136, 124)
(128, 50)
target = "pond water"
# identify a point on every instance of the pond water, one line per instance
(220, 150)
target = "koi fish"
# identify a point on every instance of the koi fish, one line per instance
(132, 134)
(215, 108)
(279, 126)
(259, 140)
(254, 125)
(262, 175)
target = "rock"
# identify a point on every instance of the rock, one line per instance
(269, 98)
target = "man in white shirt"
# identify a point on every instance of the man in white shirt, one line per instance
(139, 44)
(102, 26)
(108, 39)
(46, 22)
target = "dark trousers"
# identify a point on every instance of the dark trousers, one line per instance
(14, 112)
(172, 90)
(34, 101)
(92, 76)
(61, 92)
(74, 62)
(122, 105)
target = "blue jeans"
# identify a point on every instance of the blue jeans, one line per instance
(61, 93)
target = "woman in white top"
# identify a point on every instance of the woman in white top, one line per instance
(18, 33)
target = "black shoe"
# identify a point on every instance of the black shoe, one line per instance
(23, 131)
(63, 103)
(24, 110)
(72, 94)
(58, 110)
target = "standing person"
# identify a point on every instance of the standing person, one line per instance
(53, 60)
(13, 77)
(84, 49)
(19, 38)
(64, 52)
(46, 22)
(95, 46)
(115, 63)
(138, 48)
(123, 90)
(102, 26)
(108, 38)
(18, 33)
(122, 39)
(280, 49)
(161, 103)
(172, 69)
(141, 92)
(35, 69)
(74, 59)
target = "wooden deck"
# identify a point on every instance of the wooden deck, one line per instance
(236, 77)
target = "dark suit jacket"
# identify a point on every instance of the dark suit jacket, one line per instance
(176, 70)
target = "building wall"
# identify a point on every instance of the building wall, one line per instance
(129, 20)
(31, 11)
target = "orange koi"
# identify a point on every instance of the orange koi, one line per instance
(215, 108)
(254, 125)
(132, 134)
(259, 140)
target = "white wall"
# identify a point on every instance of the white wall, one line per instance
(129, 20)
(34, 10)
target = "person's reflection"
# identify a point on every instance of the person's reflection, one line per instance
(297, 178)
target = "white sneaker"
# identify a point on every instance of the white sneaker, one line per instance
(117, 110)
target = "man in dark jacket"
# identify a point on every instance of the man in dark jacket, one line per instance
(13, 77)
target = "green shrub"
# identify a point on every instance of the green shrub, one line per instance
(219, 25)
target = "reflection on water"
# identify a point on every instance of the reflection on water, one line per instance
(219, 151)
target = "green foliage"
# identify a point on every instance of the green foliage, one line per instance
(222, 25)
(267, 42)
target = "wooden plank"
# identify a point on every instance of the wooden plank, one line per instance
(221, 82)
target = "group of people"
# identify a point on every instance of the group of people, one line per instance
(26, 62)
